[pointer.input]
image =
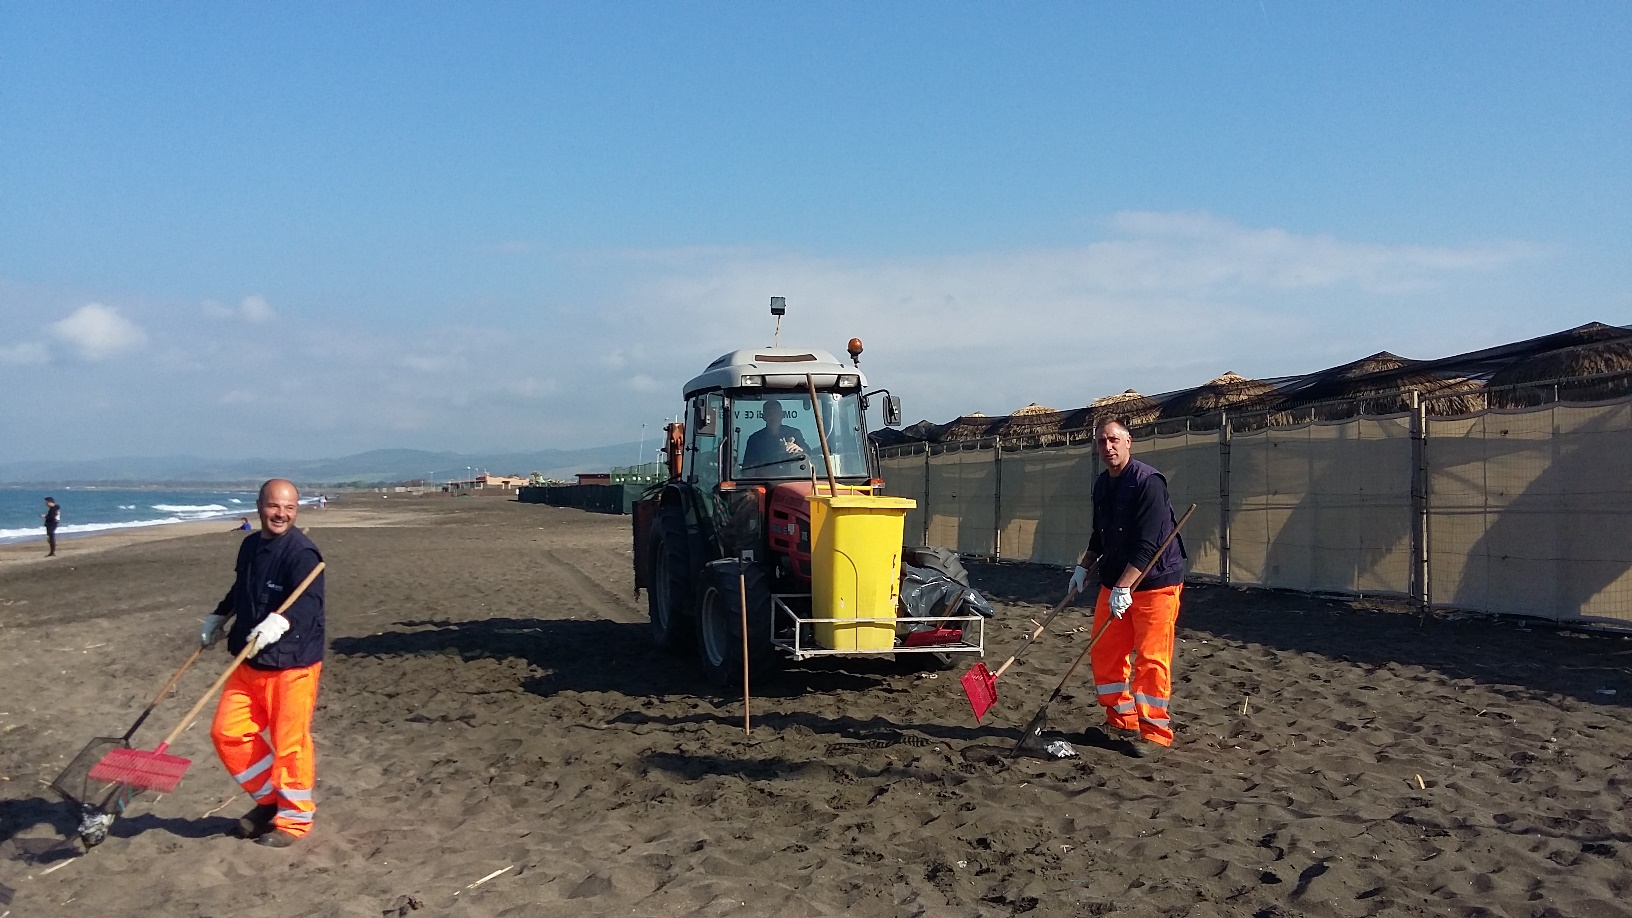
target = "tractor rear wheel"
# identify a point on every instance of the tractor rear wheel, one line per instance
(670, 596)
(719, 623)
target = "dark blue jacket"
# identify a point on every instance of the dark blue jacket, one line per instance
(268, 570)
(1132, 515)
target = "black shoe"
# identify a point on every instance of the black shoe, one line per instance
(1145, 749)
(277, 838)
(256, 822)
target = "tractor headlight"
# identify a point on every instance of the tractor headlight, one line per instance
(849, 381)
(753, 381)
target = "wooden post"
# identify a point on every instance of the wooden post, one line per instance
(1419, 503)
(997, 498)
(742, 592)
(1224, 496)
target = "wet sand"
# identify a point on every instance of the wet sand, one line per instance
(493, 710)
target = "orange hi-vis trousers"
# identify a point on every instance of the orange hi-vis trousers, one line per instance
(1140, 643)
(257, 705)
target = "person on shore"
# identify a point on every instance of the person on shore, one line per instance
(263, 724)
(52, 516)
(243, 525)
(773, 443)
(1132, 515)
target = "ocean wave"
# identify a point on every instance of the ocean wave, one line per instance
(37, 532)
(189, 508)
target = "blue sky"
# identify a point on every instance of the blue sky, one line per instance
(306, 230)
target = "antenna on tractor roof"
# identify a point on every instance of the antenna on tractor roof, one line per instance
(779, 308)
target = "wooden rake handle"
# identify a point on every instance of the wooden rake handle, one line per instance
(142, 718)
(236, 661)
(1109, 618)
(1041, 627)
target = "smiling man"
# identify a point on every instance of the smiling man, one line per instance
(271, 697)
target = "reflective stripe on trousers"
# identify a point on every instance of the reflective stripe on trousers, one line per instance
(258, 704)
(1138, 645)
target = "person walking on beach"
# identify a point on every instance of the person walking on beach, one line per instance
(1132, 515)
(263, 723)
(52, 516)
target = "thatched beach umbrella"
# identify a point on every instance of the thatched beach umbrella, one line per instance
(1130, 407)
(1587, 372)
(1227, 391)
(1030, 424)
(973, 426)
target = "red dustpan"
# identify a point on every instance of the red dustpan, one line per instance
(157, 770)
(980, 683)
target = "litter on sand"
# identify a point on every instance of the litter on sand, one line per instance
(1060, 749)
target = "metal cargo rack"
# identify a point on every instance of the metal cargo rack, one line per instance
(782, 613)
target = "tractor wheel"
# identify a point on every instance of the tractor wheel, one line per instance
(671, 593)
(719, 624)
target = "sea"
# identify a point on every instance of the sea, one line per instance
(88, 510)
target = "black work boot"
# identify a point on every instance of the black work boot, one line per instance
(1145, 749)
(277, 838)
(256, 822)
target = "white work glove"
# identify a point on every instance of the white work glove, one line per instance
(1079, 579)
(267, 633)
(1121, 599)
(210, 632)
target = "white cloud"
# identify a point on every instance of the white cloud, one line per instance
(97, 332)
(640, 382)
(1168, 301)
(253, 309)
(25, 354)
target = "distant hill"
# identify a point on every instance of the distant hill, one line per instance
(380, 465)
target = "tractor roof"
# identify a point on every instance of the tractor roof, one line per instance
(776, 368)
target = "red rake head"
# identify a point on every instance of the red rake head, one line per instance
(980, 686)
(154, 771)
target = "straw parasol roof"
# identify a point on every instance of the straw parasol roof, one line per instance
(1032, 421)
(1228, 390)
(1561, 366)
(973, 426)
(1131, 407)
(1379, 362)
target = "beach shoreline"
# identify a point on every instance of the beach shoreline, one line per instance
(32, 550)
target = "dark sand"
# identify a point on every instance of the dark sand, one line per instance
(491, 705)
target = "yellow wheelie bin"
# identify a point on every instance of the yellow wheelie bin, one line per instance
(855, 568)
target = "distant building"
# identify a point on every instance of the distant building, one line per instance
(595, 478)
(485, 482)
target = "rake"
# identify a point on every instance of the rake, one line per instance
(1033, 737)
(980, 683)
(157, 770)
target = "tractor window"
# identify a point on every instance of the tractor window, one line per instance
(773, 435)
(706, 428)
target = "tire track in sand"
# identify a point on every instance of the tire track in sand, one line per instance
(597, 597)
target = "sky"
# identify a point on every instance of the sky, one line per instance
(306, 230)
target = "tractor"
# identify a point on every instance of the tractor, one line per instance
(771, 539)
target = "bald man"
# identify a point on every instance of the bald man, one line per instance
(263, 724)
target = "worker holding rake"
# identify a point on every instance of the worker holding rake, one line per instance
(262, 730)
(1138, 604)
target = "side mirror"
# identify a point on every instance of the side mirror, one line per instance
(892, 411)
(706, 421)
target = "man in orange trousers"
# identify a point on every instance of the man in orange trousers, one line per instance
(263, 723)
(1133, 660)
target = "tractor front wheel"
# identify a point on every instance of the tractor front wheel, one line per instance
(719, 623)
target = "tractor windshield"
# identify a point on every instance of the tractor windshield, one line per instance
(773, 435)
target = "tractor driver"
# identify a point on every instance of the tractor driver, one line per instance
(773, 443)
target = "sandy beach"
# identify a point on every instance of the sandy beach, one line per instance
(498, 736)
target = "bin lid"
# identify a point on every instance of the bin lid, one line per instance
(864, 501)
